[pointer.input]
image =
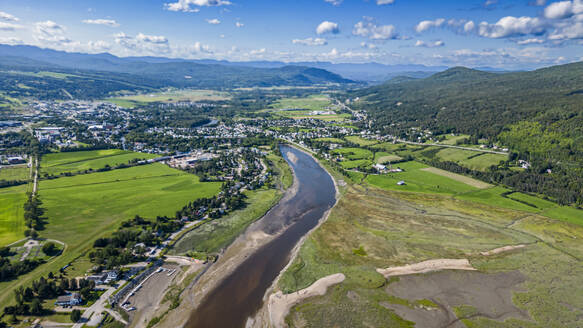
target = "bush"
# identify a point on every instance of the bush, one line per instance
(49, 248)
(75, 315)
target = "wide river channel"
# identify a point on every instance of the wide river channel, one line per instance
(240, 295)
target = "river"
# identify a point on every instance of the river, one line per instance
(240, 294)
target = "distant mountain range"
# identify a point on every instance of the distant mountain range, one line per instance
(368, 72)
(169, 72)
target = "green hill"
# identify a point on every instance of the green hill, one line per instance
(537, 114)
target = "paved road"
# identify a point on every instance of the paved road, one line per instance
(92, 315)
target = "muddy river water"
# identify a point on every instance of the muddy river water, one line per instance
(240, 294)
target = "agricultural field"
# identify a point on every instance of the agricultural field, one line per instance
(382, 158)
(20, 173)
(355, 164)
(301, 108)
(360, 141)
(311, 103)
(331, 140)
(170, 97)
(471, 159)
(12, 214)
(92, 205)
(354, 153)
(453, 139)
(57, 163)
(483, 162)
(373, 228)
(418, 179)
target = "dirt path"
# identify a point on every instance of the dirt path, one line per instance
(427, 266)
(501, 250)
(279, 304)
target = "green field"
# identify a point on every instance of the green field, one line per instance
(483, 162)
(452, 140)
(356, 163)
(360, 141)
(57, 163)
(311, 103)
(83, 208)
(470, 159)
(354, 153)
(493, 196)
(20, 173)
(12, 214)
(417, 180)
(331, 140)
(303, 108)
(170, 97)
(382, 157)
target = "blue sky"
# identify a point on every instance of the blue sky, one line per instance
(498, 33)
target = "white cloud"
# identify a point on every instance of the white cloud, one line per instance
(98, 46)
(189, 5)
(8, 26)
(11, 40)
(469, 26)
(538, 3)
(257, 52)
(512, 26)
(201, 48)
(434, 44)
(50, 32)
(239, 24)
(568, 32)
(213, 21)
(328, 27)
(530, 41)
(559, 10)
(368, 45)
(428, 24)
(106, 22)
(334, 2)
(152, 38)
(385, 2)
(369, 29)
(143, 43)
(311, 42)
(7, 17)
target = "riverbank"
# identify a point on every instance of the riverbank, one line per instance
(240, 249)
(272, 311)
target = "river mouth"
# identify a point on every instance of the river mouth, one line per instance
(240, 294)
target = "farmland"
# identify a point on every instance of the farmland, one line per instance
(300, 108)
(378, 228)
(185, 95)
(92, 206)
(20, 173)
(12, 220)
(310, 103)
(57, 163)
(417, 179)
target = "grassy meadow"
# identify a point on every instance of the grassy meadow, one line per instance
(12, 214)
(83, 208)
(20, 173)
(170, 97)
(57, 163)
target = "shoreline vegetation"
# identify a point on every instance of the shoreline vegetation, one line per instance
(499, 239)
